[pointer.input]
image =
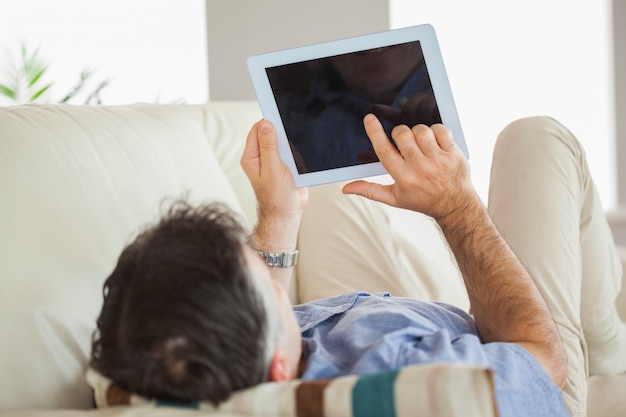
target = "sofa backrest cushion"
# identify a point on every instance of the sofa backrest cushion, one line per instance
(226, 126)
(77, 184)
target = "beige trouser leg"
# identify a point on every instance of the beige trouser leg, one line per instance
(545, 204)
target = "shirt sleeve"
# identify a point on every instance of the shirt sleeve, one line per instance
(522, 386)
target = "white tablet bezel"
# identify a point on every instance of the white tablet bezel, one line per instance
(257, 65)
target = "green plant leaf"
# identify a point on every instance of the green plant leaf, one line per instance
(27, 60)
(86, 74)
(37, 75)
(77, 88)
(39, 93)
(23, 81)
(30, 60)
(94, 97)
(8, 92)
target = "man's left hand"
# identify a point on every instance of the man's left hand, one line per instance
(280, 202)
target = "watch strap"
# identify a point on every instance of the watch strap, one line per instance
(279, 259)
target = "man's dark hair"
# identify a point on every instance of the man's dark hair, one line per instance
(182, 319)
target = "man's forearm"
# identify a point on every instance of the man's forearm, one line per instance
(280, 202)
(277, 235)
(505, 302)
(432, 176)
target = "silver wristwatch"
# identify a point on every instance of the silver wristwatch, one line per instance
(279, 259)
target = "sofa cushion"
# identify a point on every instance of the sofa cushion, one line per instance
(227, 124)
(77, 183)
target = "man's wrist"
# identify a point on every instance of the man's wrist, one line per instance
(274, 235)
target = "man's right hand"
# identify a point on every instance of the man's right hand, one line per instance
(431, 173)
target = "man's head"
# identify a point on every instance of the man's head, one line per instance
(190, 314)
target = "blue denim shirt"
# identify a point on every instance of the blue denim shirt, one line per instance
(360, 333)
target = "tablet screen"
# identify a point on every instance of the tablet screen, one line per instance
(322, 102)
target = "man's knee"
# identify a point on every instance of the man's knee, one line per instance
(530, 129)
(536, 136)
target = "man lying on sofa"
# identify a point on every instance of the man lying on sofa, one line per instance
(193, 313)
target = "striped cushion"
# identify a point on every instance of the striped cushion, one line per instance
(424, 390)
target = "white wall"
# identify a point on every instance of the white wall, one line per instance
(237, 29)
(510, 59)
(152, 50)
(505, 59)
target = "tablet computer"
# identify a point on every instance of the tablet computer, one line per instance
(317, 95)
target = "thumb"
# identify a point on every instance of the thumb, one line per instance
(268, 145)
(249, 160)
(371, 191)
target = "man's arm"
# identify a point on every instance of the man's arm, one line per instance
(280, 203)
(432, 176)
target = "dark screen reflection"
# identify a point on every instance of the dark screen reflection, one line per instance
(322, 102)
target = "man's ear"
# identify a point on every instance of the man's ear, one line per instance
(279, 367)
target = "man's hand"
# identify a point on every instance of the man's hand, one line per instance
(280, 202)
(271, 179)
(431, 173)
(432, 176)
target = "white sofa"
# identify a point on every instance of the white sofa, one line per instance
(77, 182)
